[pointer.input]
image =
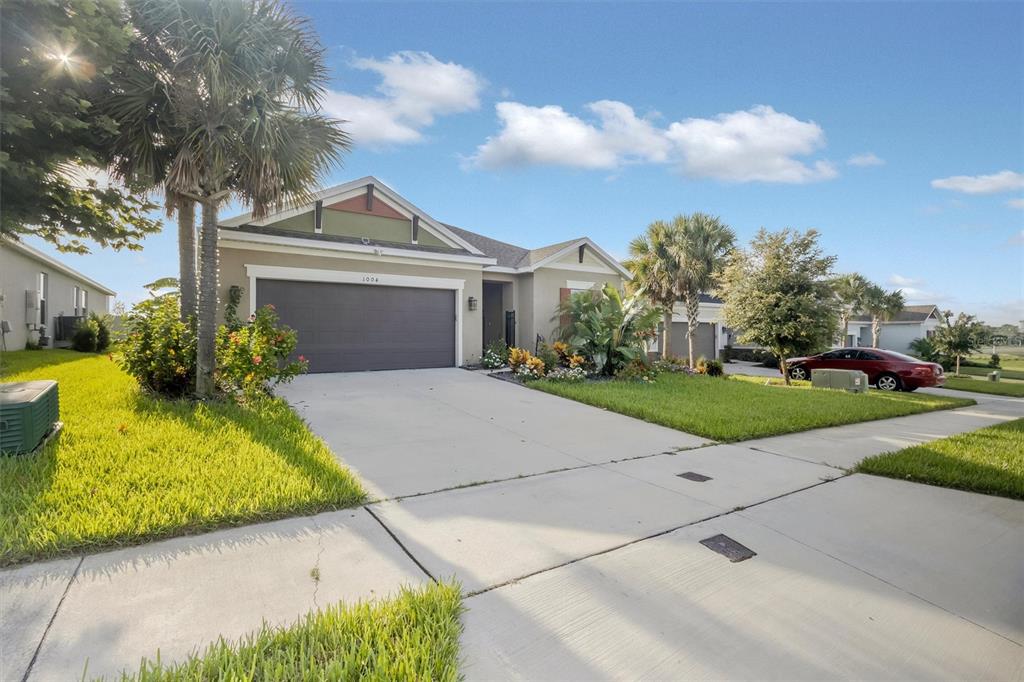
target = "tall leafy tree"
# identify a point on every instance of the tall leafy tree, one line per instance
(247, 81)
(958, 337)
(850, 290)
(703, 244)
(653, 263)
(778, 294)
(57, 57)
(882, 306)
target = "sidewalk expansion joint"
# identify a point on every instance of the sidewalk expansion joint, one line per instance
(399, 543)
(42, 640)
(648, 537)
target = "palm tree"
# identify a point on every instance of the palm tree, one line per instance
(653, 264)
(147, 140)
(703, 244)
(246, 82)
(881, 305)
(849, 290)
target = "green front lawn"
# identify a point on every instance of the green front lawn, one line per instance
(414, 636)
(742, 408)
(128, 468)
(1005, 372)
(985, 386)
(988, 461)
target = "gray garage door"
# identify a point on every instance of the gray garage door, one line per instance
(353, 327)
(703, 342)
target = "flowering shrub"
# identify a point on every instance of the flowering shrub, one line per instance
(252, 359)
(567, 374)
(713, 368)
(674, 365)
(517, 357)
(531, 368)
(158, 349)
(637, 371)
(495, 356)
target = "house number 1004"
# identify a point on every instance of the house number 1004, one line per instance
(371, 279)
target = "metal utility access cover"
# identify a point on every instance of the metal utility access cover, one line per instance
(694, 476)
(727, 547)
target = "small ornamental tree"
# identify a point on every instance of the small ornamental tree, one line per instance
(850, 291)
(778, 294)
(882, 306)
(958, 338)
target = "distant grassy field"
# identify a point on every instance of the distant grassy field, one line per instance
(1014, 374)
(1010, 358)
(988, 461)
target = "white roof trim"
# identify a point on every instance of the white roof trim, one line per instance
(38, 255)
(232, 239)
(604, 255)
(353, 188)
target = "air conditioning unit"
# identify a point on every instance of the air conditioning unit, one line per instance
(850, 380)
(29, 412)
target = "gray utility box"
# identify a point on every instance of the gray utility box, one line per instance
(851, 380)
(29, 411)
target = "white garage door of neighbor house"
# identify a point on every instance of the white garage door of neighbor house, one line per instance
(354, 327)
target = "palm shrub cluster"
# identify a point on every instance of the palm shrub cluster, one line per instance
(92, 334)
(609, 330)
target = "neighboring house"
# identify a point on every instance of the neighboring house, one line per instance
(712, 336)
(370, 281)
(41, 299)
(913, 322)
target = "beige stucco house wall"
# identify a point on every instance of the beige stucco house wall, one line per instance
(29, 276)
(363, 234)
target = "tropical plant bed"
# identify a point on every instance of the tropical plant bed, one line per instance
(739, 408)
(987, 461)
(128, 467)
(985, 386)
(414, 636)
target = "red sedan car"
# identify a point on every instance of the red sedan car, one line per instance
(886, 370)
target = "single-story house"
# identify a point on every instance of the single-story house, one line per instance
(913, 322)
(712, 335)
(42, 299)
(371, 281)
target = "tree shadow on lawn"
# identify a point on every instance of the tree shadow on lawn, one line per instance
(16, 362)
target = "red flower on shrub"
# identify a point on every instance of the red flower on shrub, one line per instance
(257, 359)
(302, 358)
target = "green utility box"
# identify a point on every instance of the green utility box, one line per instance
(29, 411)
(850, 380)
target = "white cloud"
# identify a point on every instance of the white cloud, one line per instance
(1003, 181)
(551, 136)
(1016, 203)
(415, 89)
(865, 159)
(743, 146)
(914, 290)
(755, 145)
(1016, 240)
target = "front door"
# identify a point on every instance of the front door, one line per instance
(494, 313)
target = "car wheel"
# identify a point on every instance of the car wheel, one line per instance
(888, 382)
(798, 373)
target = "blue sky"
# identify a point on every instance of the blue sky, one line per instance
(896, 130)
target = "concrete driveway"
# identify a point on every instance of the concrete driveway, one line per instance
(419, 431)
(576, 534)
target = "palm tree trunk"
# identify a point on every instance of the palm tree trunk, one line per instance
(785, 369)
(844, 327)
(187, 257)
(957, 364)
(666, 334)
(692, 311)
(875, 329)
(208, 285)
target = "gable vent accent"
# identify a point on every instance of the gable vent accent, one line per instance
(415, 229)
(369, 197)
(318, 217)
(583, 247)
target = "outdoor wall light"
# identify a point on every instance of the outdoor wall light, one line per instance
(472, 303)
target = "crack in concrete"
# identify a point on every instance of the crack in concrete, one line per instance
(42, 640)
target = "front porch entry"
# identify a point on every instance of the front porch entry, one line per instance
(499, 318)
